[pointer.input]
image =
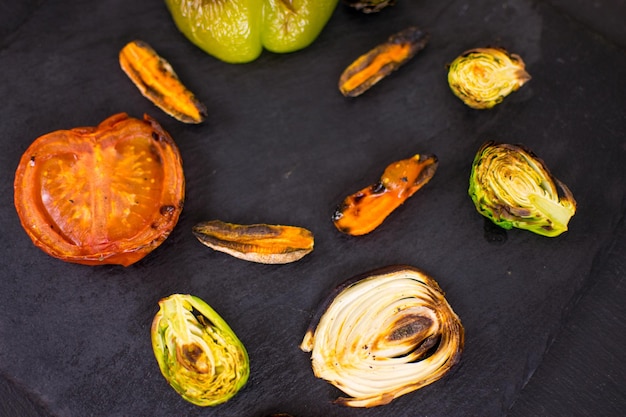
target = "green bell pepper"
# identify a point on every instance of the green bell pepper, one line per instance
(236, 31)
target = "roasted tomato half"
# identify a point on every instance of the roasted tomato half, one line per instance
(101, 195)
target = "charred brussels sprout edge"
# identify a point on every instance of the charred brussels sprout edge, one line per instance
(198, 353)
(511, 186)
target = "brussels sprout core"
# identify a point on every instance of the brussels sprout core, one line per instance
(198, 354)
(513, 187)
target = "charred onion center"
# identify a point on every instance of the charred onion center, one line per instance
(384, 335)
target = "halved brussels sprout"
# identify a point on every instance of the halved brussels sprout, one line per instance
(198, 353)
(369, 6)
(382, 60)
(483, 77)
(511, 186)
(384, 334)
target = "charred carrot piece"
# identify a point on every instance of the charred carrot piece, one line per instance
(365, 210)
(158, 82)
(262, 243)
(381, 61)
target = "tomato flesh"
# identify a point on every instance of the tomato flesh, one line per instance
(103, 195)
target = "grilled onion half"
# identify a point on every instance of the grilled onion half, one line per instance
(511, 186)
(198, 353)
(384, 334)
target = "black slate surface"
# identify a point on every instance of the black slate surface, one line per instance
(281, 145)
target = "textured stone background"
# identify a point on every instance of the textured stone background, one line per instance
(544, 318)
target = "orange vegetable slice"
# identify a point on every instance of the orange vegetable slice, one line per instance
(156, 80)
(101, 195)
(262, 243)
(365, 210)
(371, 67)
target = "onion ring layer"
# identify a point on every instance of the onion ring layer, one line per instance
(384, 334)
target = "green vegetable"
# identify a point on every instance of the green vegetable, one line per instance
(198, 353)
(511, 186)
(236, 31)
(483, 77)
(369, 6)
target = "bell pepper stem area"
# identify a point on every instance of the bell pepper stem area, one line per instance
(237, 31)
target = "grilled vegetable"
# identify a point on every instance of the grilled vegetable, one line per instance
(158, 82)
(101, 195)
(511, 186)
(483, 77)
(384, 334)
(369, 6)
(236, 31)
(378, 63)
(198, 353)
(365, 210)
(263, 243)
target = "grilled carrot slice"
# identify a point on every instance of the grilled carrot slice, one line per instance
(262, 243)
(365, 210)
(378, 63)
(158, 82)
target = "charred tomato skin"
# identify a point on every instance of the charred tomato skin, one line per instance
(108, 194)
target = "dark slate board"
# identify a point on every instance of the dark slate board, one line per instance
(282, 146)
